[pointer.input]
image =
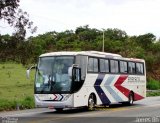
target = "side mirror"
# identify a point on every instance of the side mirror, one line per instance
(28, 71)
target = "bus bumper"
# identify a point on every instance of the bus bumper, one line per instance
(66, 102)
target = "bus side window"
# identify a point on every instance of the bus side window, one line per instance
(131, 67)
(139, 68)
(114, 66)
(90, 65)
(93, 65)
(104, 65)
(123, 66)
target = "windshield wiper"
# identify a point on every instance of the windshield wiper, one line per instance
(51, 83)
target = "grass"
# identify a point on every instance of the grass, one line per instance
(151, 94)
(14, 87)
(26, 103)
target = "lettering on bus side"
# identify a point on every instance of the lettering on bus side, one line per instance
(135, 79)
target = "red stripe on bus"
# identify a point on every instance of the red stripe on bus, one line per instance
(124, 90)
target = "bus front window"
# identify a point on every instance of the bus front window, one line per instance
(52, 74)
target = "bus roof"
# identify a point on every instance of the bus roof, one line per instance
(88, 53)
(91, 53)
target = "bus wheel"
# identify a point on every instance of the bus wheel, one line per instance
(130, 99)
(91, 102)
(59, 109)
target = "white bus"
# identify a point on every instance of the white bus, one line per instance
(87, 78)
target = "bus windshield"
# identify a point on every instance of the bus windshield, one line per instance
(52, 74)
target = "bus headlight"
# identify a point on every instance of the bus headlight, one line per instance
(66, 96)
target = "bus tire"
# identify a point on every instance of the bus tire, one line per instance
(91, 102)
(131, 98)
(59, 109)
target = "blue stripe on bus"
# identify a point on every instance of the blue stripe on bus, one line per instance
(99, 90)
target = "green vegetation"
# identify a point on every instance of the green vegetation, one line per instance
(153, 84)
(26, 51)
(15, 89)
(26, 103)
(153, 93)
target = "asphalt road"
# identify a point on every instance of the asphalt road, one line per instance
(144, 111)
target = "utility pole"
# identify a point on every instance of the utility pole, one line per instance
(103, 42)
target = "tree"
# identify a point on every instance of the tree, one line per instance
(15, 17)
(8, 47)
(115, 34)
(87, 34)
(146, 40)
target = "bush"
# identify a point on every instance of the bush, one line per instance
(153, 84)
(7, 105)
(27, 103)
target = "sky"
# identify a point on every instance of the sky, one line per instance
(135, 17)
